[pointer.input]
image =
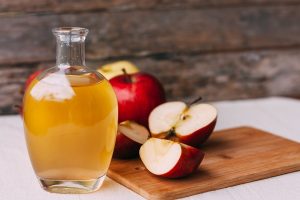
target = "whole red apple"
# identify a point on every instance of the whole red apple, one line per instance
(31, 78)
(138, 94)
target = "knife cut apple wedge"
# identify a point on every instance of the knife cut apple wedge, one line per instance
(130, 137)
(170, 159)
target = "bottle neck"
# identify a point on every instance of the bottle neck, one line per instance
(70, 51)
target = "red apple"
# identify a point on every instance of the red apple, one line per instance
(191, 125)
(111, 70)
(138, 94)
(31, 78)
(170, 159)
(130, 137)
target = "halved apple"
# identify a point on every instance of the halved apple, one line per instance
(191, 125)
(170, 159)
(111, 70)
(130, 137)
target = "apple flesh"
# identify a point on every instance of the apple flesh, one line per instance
(129, 139)
(191, 125)
(116, 68)
(138, 94)
(170, 159)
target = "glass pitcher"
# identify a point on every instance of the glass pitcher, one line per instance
(70, 120)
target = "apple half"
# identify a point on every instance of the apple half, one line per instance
(191, 125)
(130, 137)
(170, 159)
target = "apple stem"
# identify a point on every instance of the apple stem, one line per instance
(127, 77)
(194, 101)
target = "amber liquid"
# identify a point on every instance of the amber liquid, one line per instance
(70, 124)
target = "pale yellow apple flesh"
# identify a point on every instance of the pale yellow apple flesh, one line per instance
(179, 118)
(170, 159)
(134, 131)
(159, 155)
(197, 116)
(165, 116)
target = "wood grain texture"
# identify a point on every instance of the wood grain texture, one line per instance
(233, 157)
(225, 76)
(124, 5)
(12, 79)
(222, 76)
(140, 33)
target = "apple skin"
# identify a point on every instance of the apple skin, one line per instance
(163, 158)
(136, 99)
(197, 138)
(203, 119)
(130, 137)
(125, 148)
(32, 77)
(187, 164)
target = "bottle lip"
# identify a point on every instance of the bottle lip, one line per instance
(70, 31)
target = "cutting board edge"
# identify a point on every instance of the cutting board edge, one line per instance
(127, 184)
(262, 176)
(237, 181)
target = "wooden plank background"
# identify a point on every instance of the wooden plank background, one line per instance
(218, 49)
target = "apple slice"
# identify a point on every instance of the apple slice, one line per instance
(130, 137)
(170, 159)
(191, 125)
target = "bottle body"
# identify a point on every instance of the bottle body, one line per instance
(70, 122)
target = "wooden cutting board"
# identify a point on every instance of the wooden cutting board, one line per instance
(233, 157)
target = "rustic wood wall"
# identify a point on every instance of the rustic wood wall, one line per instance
(220, 49)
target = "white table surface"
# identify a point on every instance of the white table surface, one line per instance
(280, 116)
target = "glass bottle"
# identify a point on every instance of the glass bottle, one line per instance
(70, 120)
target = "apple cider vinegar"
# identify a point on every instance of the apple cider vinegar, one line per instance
(71, 138)
(70, 122)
